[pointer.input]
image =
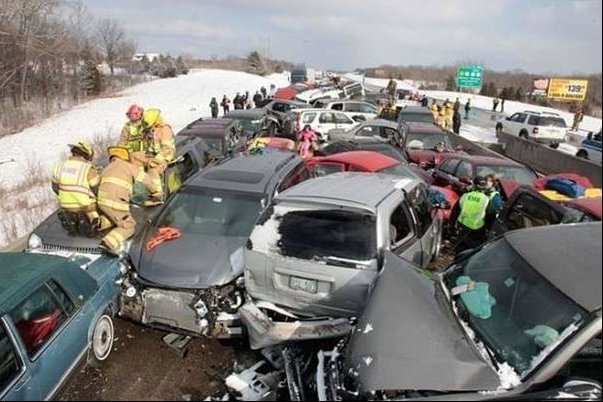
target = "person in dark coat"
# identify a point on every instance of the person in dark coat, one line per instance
(456, 121)
(264, 92)
(257, 98)
(225, 104)
(457, 105)
(238, 101)
(213, 105)
(467, 109)
(424, 101)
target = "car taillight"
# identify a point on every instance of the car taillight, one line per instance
(535, 130)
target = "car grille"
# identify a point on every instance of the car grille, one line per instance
(83, 250)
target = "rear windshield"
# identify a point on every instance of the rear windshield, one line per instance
(417, 117)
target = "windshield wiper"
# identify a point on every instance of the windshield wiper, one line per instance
(342, 262)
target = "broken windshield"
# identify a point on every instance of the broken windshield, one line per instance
(513, 309)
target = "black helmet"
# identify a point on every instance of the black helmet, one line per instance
(480, 183)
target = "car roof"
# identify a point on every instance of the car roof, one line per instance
(291, 102)
(208, 128)
(245, 172)
(568, 256)
(486, 160)
(380, 123)
(363, 189)
(246, 113)
(423, 128)
(415, 109)
(22, 273)
(369, 160)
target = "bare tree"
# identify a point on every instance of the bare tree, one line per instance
(111, 36)
(79, 23)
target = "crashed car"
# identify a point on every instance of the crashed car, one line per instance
(426, 144)
(506, 321)
(315, 253)
(254, 121)
(187, 263)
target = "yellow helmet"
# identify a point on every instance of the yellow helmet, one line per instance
(119, 152)
(83, 149)
(151, 117)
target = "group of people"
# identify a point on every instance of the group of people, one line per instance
(240, 101)
(448, 115)
(94, 201)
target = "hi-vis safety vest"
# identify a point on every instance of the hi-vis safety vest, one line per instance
(75, 191)
(473, 210)
(136, 141)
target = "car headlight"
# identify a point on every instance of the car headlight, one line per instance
(34, 242)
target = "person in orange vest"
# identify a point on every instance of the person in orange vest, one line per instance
(131, 135)
(114, 192)
(161, 149)
(75, 181)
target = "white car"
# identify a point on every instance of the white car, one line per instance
(321, 120)
(591, 148)
(545, 127)
(358, 111)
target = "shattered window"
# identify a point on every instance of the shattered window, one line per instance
(311, 234)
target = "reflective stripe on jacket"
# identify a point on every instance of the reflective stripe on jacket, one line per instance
(162, 145)
(474, 206)
(117, 183)
(132, 137)
(74, 179)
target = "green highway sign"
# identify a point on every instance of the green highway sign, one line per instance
(470, 77)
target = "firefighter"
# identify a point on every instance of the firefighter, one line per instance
(75, 181)
(114, 192)
(161, 149)
(131, 135)
(448, 114)
(434, 109)
(391, 88)
(441, 117)
(475, 209)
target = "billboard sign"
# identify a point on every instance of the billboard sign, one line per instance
(567, 89)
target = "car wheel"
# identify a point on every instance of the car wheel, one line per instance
(102, 339)
(524, 134)
(582, 154)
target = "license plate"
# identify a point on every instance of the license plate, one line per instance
(307, 285)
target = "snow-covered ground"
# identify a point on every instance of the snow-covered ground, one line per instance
(181, 100)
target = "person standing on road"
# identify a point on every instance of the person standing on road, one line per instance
(495, 103)
(391, 88)
(456, 121)
(264, 92)
(448, 112)
(496, 202)
(441, 119)
(424, 101)
(467, 109)
(502, 105)
(225, 104)
(434, 109)
(457, 105)
(257, 98)
(474, 209)
(578, 116)
(213, 105)
(114, 192)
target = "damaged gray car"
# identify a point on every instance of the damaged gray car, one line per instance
(314, 255)
(187, 262)
(520, 318)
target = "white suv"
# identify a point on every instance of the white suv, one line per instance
(321, 120)
(545, 127)
(358, 111)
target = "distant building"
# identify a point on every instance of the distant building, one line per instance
(140, 56)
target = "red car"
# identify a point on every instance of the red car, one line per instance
(277, 143)
(369, 161)
(427, 145)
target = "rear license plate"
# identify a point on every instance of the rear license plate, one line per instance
(307, 285)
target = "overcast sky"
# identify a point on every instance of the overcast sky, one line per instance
(537, 36)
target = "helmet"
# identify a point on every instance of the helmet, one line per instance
(119, 152)
(151, 117)
(83, 149)
(134, 112)
(480, 182)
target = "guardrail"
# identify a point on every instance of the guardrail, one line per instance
(547, 160)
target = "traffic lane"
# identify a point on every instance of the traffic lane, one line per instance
(142, 366)
(478, 117)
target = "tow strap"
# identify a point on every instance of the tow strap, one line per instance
(162, 235)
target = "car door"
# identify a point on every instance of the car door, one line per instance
(53, 332)
(16, 382)
(400, 234)
(462, 177)
(515, 123)
(326, 122)
(342, 121)
(443, 175)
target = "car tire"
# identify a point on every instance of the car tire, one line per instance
(524, 134)
(101, 342)
(582, 154)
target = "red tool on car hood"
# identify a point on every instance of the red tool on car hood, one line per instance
(163, 234)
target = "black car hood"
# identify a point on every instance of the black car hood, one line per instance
(193, 261)
(53, 235)
(406, 340)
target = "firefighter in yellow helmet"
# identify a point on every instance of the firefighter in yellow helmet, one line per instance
(434, 109)
(131, 135)
(441, 117)
(114, 192)
(75, 181)
(161, 148)
(448, 114)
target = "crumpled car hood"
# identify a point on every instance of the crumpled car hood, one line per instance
(191, 262)
(406, 340)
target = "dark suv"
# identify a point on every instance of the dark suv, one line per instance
(194, 284)
(222, 136)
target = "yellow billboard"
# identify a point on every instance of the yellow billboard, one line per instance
(567, 90)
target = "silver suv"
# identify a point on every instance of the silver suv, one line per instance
(317, 251)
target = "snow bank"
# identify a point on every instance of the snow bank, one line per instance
(485, 102)
(181, 99)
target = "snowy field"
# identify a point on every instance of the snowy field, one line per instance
(26, 154)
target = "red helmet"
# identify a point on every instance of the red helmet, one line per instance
(135, 112)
